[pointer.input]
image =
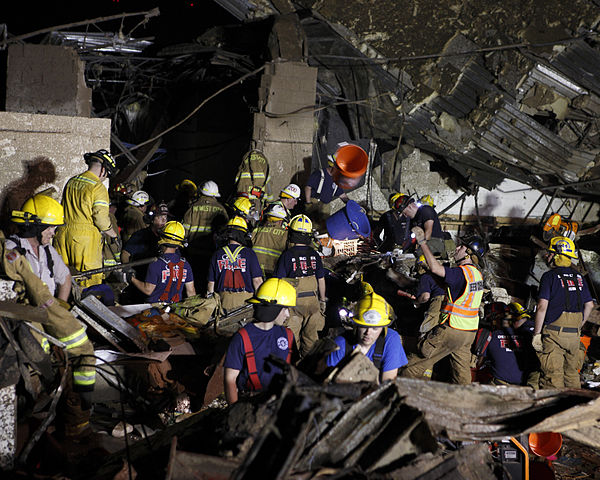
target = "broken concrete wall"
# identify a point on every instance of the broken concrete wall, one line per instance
(44, 151)
(284, 128)
(509, 203)
(47, 79)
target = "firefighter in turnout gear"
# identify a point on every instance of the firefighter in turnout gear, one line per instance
(73, 413)
(205, 217)
(244, 365)
(288, 199)
(254, 180)
(564, 304)
(87, 222)
(460, 312)
(167, 276)
(269, 239)
(301, 265)
(234, 272)
(36, 223)
(133, 216)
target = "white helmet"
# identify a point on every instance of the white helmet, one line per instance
(277, 211)
(210, 189)
(139, 199)
(291, 191)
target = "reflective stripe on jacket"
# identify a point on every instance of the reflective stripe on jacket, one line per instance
(463, 313)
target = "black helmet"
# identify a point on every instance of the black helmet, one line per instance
(104, 158)
(475, 244)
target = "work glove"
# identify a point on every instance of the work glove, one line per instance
(419, 235)
(129, 273)
(322, 306)
(536, 342)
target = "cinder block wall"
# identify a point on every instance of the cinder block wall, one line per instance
(46, 79)
(284, 132)
(43, 151)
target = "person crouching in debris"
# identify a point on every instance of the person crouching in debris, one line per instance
(167, 275)
(234, 271)
(303, 265)
(245, 371)
(372, 337)
(36, 223)
(74, 407)
(460, 312)
(564, 305)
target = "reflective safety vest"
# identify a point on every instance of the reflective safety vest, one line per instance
(463, 313)
(253, 379)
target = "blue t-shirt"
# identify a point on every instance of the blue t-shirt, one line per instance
(511, 355)
(393, 353)
(159, 274)
(551, 289)
(264, 343)
(234, 273)
(431, 284)
(395, 228)
(425, 213)
(329, 190)
(299, 261)
(456, 281)
(142, 244)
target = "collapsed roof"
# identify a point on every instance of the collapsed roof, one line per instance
(489, 94)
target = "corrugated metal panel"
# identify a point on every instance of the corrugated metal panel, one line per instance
(581, 63)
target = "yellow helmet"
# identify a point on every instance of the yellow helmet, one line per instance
(518, 311)
(275, 291)
(426, 200)
(172, 235)
(301, 223)
(563, 246)
(187, 185)
(238, 223)
(393, 197)
(242, 205)
(373, 311)
(41, 210)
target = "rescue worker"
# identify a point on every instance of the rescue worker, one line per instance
(269, 239)
(253, 179)
(395, 228)
(288, 199)
(186, 192)
(303, 266)
(203, 219)
(244, 365)
(427, 200)
(85, 202)
(144, 244)
(167, 276)
(425, 217)
(242, 207)
(74, 408)
(36, 223)
(430, 292)
(564, 304)
(460, 311)
(133, 215)
(372, 337)
(234, 272)
(205, 216)
(509, 352)
(320, 186)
